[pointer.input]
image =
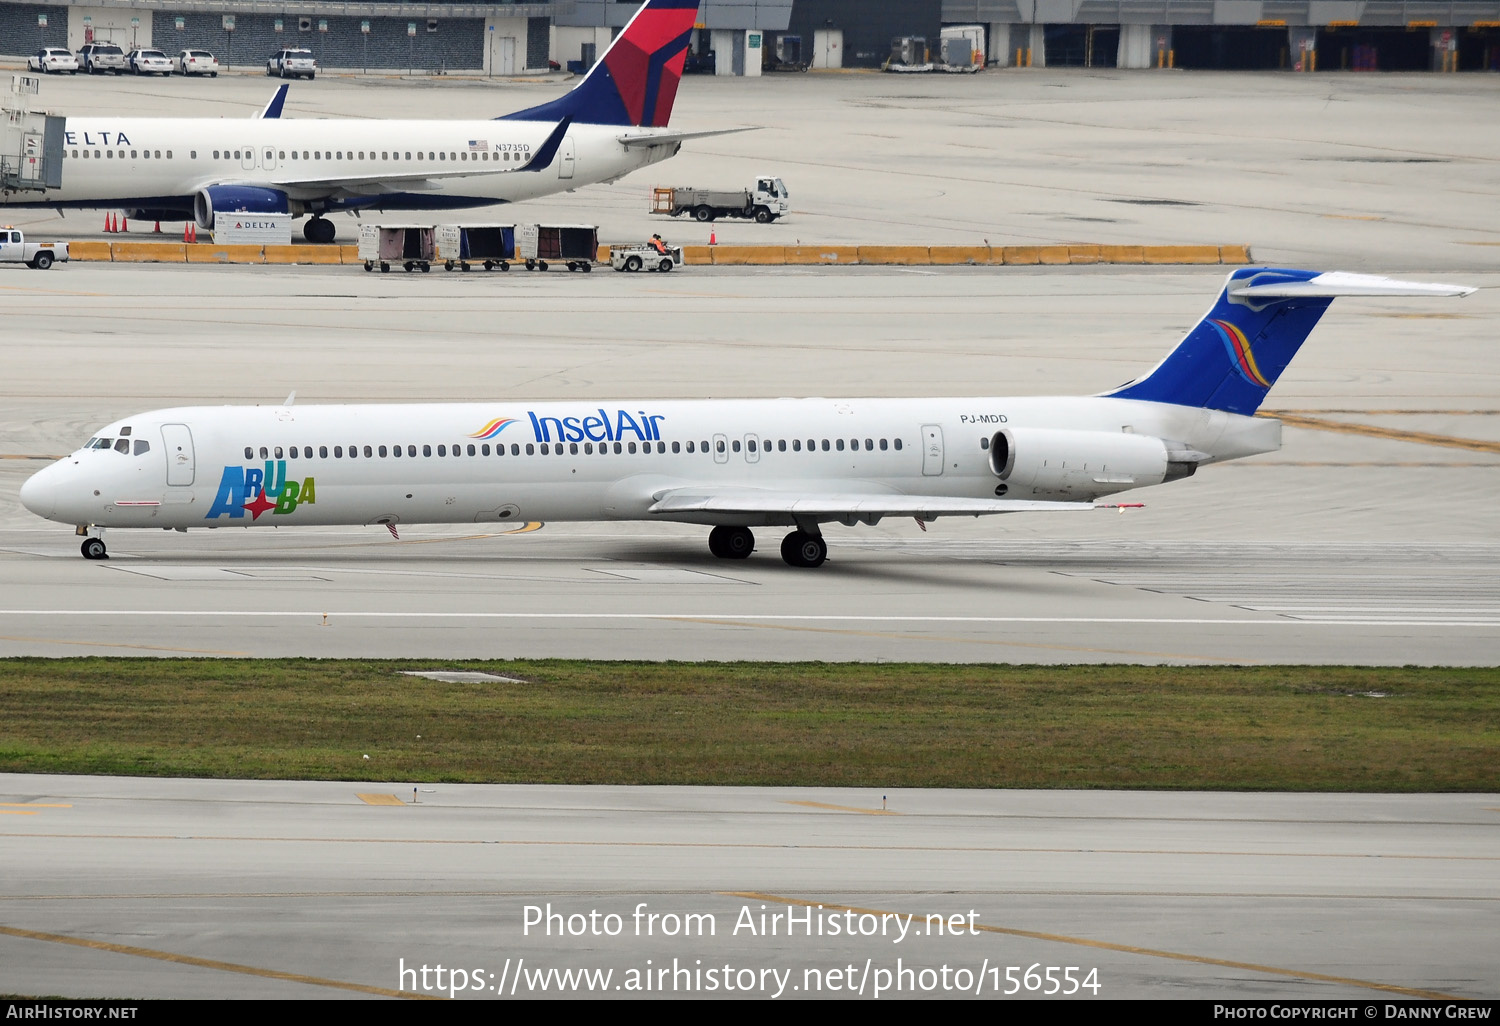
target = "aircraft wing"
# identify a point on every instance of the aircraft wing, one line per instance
(836, 505)
(425, 181)
(667, 136)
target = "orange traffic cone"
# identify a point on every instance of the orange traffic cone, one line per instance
(193, 231)
(109, 223)
(124, 223)
(157, 229)
(713, 237)
(188, 234)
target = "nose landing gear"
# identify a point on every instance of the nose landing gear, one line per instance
(93, 548)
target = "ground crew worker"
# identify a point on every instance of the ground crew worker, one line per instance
(658, 245)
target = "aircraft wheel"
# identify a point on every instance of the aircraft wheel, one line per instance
(633, 263)
(802, 549)
(665, 265)
(319, 231)
(731, 542)
(93, 548)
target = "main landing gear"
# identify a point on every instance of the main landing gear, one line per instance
(319, 231)
(800, 548)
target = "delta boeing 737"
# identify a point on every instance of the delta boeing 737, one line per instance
(612, 123)
(730, 464)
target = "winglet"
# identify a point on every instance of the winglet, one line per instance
(273, 109)
(543, 157)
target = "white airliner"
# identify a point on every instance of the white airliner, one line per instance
(796, 463)
(613, 122)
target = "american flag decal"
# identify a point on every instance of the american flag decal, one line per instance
(479, 144)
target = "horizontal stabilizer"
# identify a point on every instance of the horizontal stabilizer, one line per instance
(1341, 283)
(645, 139)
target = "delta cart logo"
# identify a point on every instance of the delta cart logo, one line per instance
(256, 490)
(605, 427)
(1239, 353)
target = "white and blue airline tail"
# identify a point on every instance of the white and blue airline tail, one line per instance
(732, 465)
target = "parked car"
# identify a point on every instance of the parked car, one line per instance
(197, 62)
(53, 59)
(292, 64)
(149, 62)
(96, 58)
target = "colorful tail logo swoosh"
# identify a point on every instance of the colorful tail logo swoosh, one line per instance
(1240, 354)
(493, 428)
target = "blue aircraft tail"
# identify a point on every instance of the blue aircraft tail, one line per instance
(635, 82)
(1233, 356)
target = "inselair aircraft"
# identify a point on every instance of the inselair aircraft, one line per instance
(729, 464)
(612, 123)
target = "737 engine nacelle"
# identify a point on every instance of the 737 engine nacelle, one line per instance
(1046, 462)
(248, 199)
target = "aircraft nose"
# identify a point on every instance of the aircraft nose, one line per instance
(40, 492)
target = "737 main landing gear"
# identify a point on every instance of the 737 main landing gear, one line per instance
(800, 548)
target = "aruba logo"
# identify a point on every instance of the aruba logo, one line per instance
(259, 491)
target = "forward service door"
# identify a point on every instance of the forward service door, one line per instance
(178, 442)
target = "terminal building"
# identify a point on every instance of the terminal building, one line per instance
(752, 37)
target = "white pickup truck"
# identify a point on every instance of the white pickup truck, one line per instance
(14, 249)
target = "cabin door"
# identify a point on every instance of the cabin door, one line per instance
(178, 442)
(932, 450)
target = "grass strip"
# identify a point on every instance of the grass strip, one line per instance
(1311, 728)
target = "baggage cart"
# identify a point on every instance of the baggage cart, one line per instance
(489, 245)
(410, 245)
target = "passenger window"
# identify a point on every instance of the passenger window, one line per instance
(619, 448)
(573, 448)
(471, 449)
(839, 444)
(825, 445)
(677, 447)
(719, 445)
(781, 445)
(632, 447)
(338, 452)
(427, 451)
(322, 452)
(882, 445)
(133, 154)
(249, 453)
(278, 452)
(515, 448)
(661, 448)
(265, 453)
(382, 451)
(869, 445)
(546, 451)
(292, 454)
(367, 451)
(750, 444)
(141, 446)
(897, 443)
(411, 450)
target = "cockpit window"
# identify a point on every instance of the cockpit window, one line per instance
(101, 443)
(142, 446)
(123, 445)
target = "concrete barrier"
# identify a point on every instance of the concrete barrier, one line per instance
(349, 255)
(1085, 254)
(1055, 255)
(732, 255)
(226, 254)
(1181, 254)
(304, 255)
(1020, 254)
(1122, 254)
(88, 250)
(958, 254)
(894, 255)
(698, 255)
(821, 255)
(147, 252)
(1234, 254)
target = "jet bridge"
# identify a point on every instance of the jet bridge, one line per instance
(31, 144)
